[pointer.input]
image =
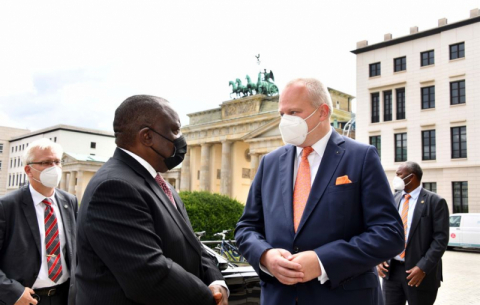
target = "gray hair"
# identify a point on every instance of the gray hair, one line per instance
(414, 168)
(42, 144)
(317, 92)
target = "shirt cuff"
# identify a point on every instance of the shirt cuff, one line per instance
(324, 277)
(264, 269)
(223, 284)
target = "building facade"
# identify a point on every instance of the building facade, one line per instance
(6, 133)
(85, 150)
(419, 100)
(226, 144)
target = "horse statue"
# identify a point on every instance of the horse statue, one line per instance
(234, 88)
(264, 87)
(250, 86)
(241, 88)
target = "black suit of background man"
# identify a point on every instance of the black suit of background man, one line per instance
(417, 279)
(134, 245)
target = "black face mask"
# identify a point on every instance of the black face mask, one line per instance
(179, 151)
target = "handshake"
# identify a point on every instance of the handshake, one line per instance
(291, 269)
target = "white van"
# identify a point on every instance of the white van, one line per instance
(464, 230)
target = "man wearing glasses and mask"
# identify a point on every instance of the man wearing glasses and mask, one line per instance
(37, 233)
(135, 241)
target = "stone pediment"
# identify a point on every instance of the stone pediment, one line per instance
(268, 130)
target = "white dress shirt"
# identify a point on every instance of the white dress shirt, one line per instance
(411, 209)
(314, 159)
(43, 280)
(154, 173)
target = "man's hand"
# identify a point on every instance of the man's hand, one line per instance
(310, 266)
(276, 262)
(26, 298)
(416, 276)
(382, 269)
(219, 294)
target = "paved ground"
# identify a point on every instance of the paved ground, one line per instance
(461, 278)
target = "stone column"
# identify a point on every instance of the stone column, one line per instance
(177, 184)
(185, 173)
(71, 182)
(205, 167)
(253, 164)
(226, 171)
(79, 186)
(63, 182)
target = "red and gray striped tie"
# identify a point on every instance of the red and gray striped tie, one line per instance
(52, 242)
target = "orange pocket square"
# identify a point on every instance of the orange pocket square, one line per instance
(343, 180)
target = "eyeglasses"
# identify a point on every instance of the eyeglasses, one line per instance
(48, 163)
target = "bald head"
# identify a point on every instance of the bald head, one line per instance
(135, 113)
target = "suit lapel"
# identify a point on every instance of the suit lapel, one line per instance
(417, 213)
(63, 207)
(287, 161)
(164, 200)
(330, 160)
(30, 214)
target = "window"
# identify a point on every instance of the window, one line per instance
(428, 97)
(457, 92)
(459, 142)
(377, 142)
(11, 163)
(93, 145)
(374, 69)
(55, 139)
(427, 58)
(16, 183)
(387, 106)
(16, 148)
(401, 104)
(431, 186)
(0, 165)
(9, 180)
(12, 149)
(457, 50)
(428, 145)
(15, 163)
(400, 64)
(455, 221)
(460, 197)
(1, 148)
(401, 147)
(375, 107)
(23, 146)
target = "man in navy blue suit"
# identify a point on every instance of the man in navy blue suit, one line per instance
(320, 215)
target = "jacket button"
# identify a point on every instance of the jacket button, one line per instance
(296, 250)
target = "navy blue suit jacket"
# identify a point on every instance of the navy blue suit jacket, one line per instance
(352, 227)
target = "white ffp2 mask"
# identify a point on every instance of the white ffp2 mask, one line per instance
(49, 177)
(294, 129)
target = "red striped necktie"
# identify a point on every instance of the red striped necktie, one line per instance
(52, 242)
(405, 221)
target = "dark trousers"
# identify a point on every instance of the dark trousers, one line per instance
(396, 290)
(59, 298)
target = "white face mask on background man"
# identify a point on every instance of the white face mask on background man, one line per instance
(49, 177)
(399, 183)
(294, 129)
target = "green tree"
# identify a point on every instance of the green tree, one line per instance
(212, 212)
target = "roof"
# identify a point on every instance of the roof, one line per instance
(418, 35)
(88, 158)
(66, 128)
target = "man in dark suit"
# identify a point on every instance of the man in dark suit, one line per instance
(319, 216)
(37, 233)
(135, 241)
(414, 275)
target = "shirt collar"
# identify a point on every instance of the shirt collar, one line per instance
(38, 198)
(415, 193)
(320, 146)
(144, 163)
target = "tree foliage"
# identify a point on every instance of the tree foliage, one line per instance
(212, 213)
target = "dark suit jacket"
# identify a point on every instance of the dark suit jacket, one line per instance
(20, 249)
(352, 227)
(134, 247)
(428, 237)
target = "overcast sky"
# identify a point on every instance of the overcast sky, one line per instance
(64, 63)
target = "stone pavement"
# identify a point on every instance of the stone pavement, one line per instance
(461, 278)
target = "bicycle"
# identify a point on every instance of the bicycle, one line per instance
(227, 250)
(200, 234)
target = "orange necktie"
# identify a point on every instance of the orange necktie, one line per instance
(405, 221)
(302, 187)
